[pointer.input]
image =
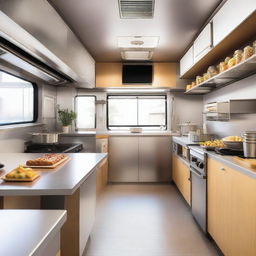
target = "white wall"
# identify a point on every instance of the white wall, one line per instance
(243, 89)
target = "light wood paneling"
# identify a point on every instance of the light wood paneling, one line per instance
(164, 75)
(231, 210)
(101, 178)
(110, 75)
(180, 175)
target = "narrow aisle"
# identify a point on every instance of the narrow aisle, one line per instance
(146, 220)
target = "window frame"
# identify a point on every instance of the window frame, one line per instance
(35, 101)
(95, 114)
(140, 126)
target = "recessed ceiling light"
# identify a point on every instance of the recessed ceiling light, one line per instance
(137, 55)
(137, 41)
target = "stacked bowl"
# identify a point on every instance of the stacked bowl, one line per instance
(249, 144)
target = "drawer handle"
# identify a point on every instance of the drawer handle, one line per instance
(222, 169)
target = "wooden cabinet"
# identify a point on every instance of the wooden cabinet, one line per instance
(187, 61)
(101, 178)
(203, 43)
(181, 177)
(110, 75)
(230, 16)
(231, 210)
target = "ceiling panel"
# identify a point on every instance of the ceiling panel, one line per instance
(98, 25)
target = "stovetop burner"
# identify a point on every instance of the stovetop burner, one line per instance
(229, 152)
(53, 148)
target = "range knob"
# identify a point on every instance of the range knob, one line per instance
(194, 159)
(201, 165)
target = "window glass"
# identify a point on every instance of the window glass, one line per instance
(148, 112)
(16, 100)
(86, 112)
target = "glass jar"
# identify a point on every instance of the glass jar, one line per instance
(254, 46)
(212, 71)
(223, 66)
(206, 76)
(231, 62)
(199, 80)
(188, 87)
(238, 55)
(193, 84)
(248, 52)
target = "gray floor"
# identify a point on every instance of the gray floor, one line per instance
(146, 220)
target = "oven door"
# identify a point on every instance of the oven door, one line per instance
(198, 197)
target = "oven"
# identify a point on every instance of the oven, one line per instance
(198, 187)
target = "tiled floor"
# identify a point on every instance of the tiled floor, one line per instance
(146, 220)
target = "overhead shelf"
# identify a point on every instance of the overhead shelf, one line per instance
(231, 75)
(242, 34)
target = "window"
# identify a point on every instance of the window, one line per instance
(148, 112)
(18, 100)
(86, 112)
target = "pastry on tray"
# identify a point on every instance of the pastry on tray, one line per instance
(21, 173)
(46, 160)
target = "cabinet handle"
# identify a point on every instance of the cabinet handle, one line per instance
(222, 169)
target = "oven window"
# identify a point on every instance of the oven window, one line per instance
(18, 100)
(86, 112)
(145, 111)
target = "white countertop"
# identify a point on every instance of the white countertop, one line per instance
(24, 232)
(63, 180)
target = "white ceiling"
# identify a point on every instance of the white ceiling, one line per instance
(97, 23)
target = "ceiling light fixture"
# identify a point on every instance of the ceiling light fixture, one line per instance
(135, 90)
(136, 55)
(137, 42)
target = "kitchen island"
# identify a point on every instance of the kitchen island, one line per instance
(70, 186)
(38, 232)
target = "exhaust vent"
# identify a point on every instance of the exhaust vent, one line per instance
(136, 9)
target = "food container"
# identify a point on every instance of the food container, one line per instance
(193, 84)
(188, 87)
(238, 55)
(186, 128)
(254, 46)
(249, 144)
(223, 66)
(212, 71)
(45, 138)
(201, 137)
(199, 80)
(235, 145)
(248, 52)
(206, 76)
(231, 62)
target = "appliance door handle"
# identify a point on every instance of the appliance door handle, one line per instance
(201, 176)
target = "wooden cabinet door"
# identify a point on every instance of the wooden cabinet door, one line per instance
(181, 175)
(242, 231)
(231, 210)
(219, 193)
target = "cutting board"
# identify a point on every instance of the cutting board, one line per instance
(19, 180)
(48, 166)
(250, 163)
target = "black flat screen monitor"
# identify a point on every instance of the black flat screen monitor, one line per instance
(137, 74)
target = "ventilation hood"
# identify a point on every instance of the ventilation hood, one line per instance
(136, 9)
(23, 51)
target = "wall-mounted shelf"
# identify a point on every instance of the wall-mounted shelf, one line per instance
(237, 72)
(241, 35)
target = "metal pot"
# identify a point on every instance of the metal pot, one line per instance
(45, 137)
(187, 127)
(249, 149)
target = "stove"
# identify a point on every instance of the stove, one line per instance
(229, 152)
(53, 148)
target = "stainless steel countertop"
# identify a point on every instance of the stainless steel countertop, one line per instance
(63, 180)
(183, 140)
(227, 160)
(24, 232)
